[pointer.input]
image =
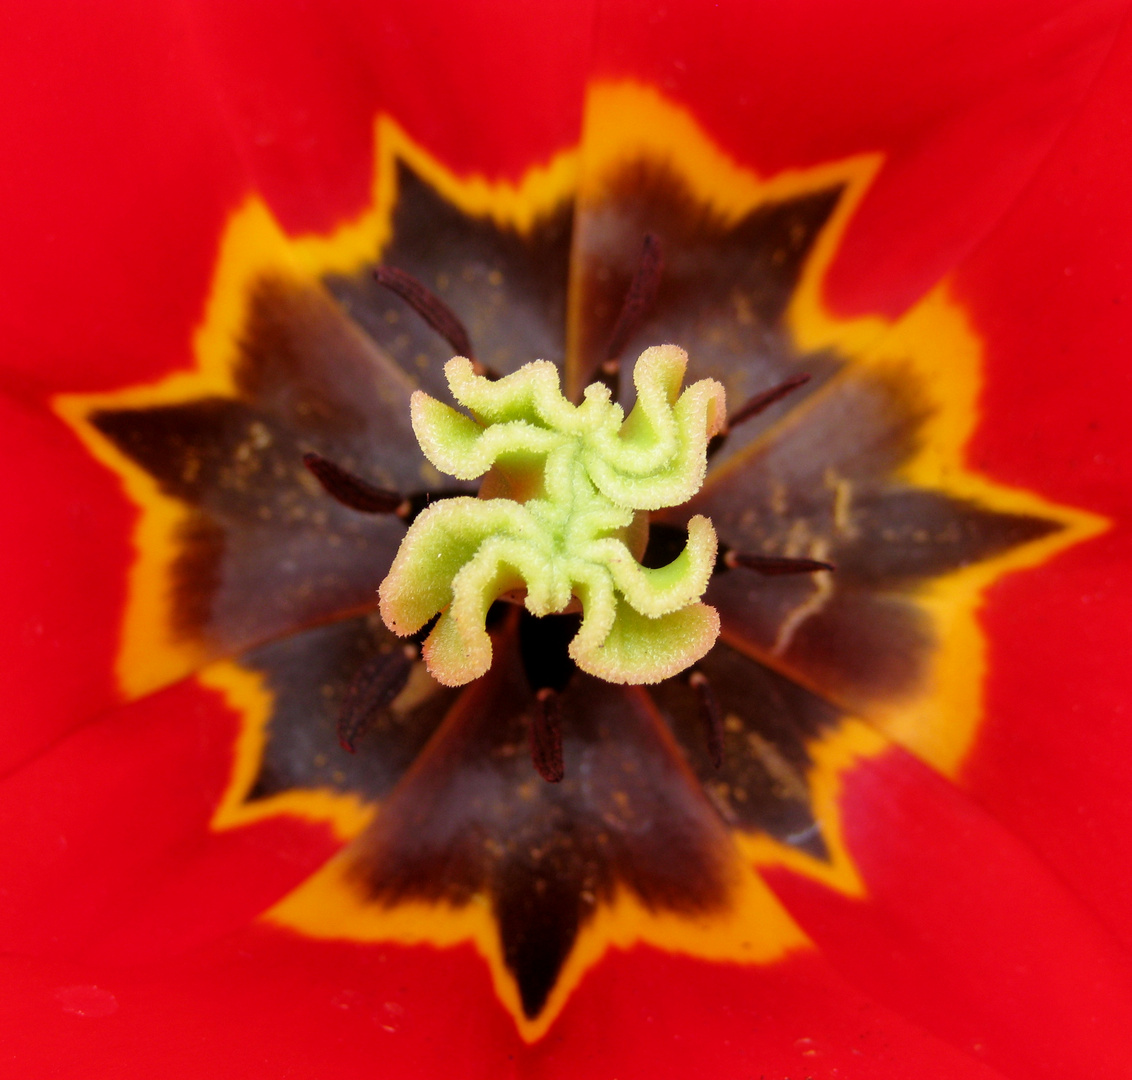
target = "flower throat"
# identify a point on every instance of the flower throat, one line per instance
(560, 524)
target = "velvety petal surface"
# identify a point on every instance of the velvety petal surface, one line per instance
(1050, 288)
(260, 1003)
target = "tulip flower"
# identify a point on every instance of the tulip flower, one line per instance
(758, 711)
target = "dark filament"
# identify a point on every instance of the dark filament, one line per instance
(372, 690)
(753, 406)
(546, 736)
(772, 564)
(353, 491)
(711, 715)
(763, 401)
(638, 304)
(429, 307)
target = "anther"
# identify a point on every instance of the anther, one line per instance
(755, 405)
(546, 736)
(429, 307)
(639, 301)
(372, 691)
(772, 564)
(711, 715)
(353, 491)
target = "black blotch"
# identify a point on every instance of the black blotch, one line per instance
(183, 446)
(308, 675)
(906, 536)
(195, 573)
(474, 818)
(725, 287)
(863, 647)
(263, 550)
(508, 288)
(762, 785)
(828, 487)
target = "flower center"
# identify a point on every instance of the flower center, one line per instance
(561, 519)
(560, 525)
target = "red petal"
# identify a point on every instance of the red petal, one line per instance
(122, 174)
(1051, 290)
(647, 1014)
(264, 1004)
(965, 932)
(962, 100)
(302, 87)
(63, 547)
(106, 842)
(120, 177)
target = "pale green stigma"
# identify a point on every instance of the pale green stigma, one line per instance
(561, 519)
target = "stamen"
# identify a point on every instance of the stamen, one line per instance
(711, 715)
(372, 690)
(638, 303)
(546, 736)
(763, 401)
(428, 306)
(353, 491)
(772, 564)
(753, 406)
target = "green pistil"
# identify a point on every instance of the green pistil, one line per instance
(561, 519)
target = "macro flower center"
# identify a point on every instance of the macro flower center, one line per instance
(561, 519)
(664, 799)
(560, 523)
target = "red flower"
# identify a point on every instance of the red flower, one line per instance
(991, 933)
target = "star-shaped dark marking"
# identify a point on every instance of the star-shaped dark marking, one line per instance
(271, 570)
